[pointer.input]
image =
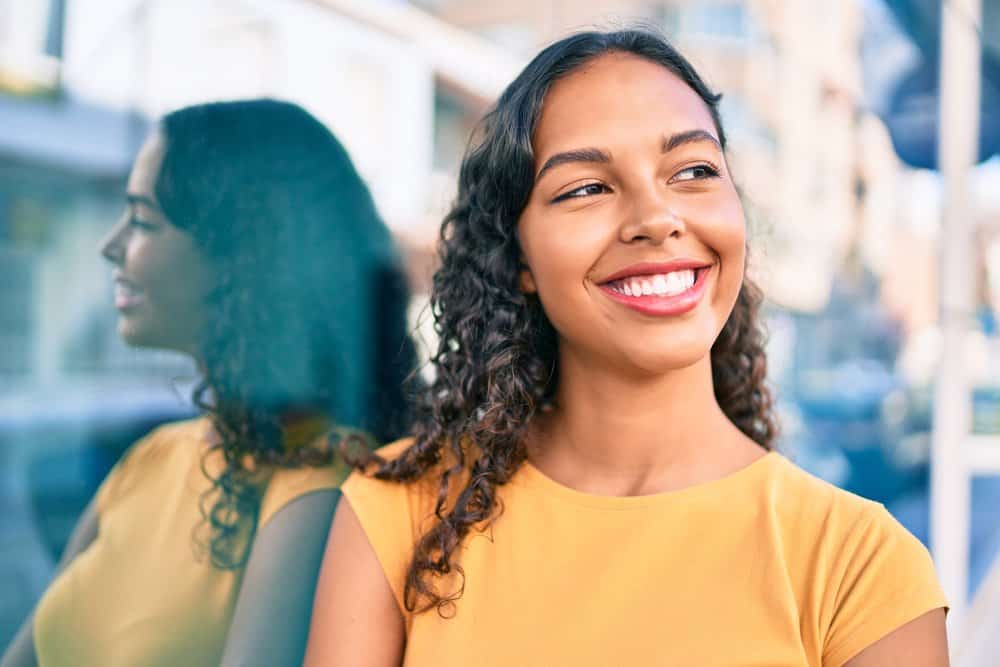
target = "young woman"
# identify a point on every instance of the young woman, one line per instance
(250, 243)
(592, 482)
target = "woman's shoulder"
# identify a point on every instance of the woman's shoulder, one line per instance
(803, 495)
(194, 428)
(393, 514)
(395, 449)
(862, 570)
(166, 447)
(838, 528)
(365, 483)
(183, 438)
(400, 506)
(392, 455)
(166, 435)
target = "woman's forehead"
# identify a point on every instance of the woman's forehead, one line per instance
(617, 97)
(146, 168)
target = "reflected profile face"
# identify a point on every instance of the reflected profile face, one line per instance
(161, 278)
(633, 236)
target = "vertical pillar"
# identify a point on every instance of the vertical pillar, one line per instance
(957, 147)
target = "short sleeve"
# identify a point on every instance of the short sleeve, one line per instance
(887, 580)
(389, 513)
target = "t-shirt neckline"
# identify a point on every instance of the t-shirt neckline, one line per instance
(533, 478)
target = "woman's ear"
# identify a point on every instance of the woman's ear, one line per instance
(527, 280)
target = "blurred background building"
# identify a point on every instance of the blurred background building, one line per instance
(846, 236)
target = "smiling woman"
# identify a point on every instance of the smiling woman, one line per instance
(592, 481)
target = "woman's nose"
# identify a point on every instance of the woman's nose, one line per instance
(112, 247)
(652, 219)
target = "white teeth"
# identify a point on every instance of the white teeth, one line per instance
(674, 284)
(662, 284)
(680, 281)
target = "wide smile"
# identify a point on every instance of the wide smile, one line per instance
(661, 293)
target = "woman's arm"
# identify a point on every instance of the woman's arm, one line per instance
(920, 643)
(271, 620)
(21, 652)
(356, 621)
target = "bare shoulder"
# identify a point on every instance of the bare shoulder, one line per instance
(358, 613)
(920, 643)
(356, 620)
(271, 617)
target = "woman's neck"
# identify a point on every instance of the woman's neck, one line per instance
(617, 435)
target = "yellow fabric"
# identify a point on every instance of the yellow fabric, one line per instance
(767, 567)
(142, 595)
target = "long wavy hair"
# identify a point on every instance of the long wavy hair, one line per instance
(308, 314)
(497, 362)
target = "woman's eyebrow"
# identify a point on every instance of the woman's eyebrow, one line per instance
(687, 137)
(603, 157)
(576, 155)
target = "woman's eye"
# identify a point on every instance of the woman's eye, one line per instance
(587, 190)
(140, 224)
(696, 173)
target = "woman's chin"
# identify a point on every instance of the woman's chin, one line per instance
(135, 333)
(128, 332)
(654, 361)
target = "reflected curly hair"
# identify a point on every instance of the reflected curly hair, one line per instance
(497, 362)
(308, 313)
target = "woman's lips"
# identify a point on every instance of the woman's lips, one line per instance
(662, 304)
(127, 295)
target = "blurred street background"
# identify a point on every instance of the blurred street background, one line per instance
(832, 109)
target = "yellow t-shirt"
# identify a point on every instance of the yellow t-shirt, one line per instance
(141, 595)
(766, 567)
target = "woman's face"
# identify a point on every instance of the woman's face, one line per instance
(160, 276)
(634, 235)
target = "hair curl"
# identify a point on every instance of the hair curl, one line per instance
(497, 362)
(308, 314)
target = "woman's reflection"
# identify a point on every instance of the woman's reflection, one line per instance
(250, 243)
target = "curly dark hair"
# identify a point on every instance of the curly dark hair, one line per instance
(497, 363)
(309, 311)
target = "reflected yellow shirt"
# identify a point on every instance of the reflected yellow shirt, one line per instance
(142, 595)
(766, 567)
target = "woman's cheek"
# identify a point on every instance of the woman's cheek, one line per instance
(561, 248)
(718, 222)
(560, 264)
